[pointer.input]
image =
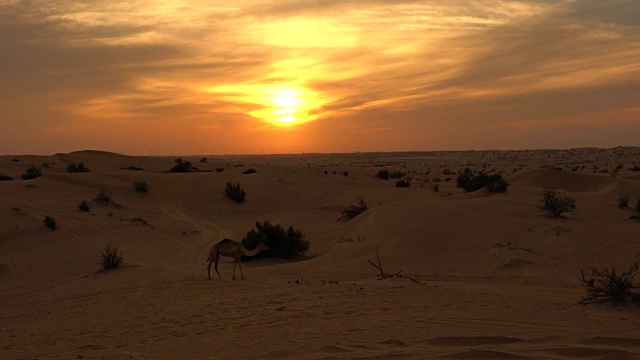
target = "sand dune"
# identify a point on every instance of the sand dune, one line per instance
(501, 280)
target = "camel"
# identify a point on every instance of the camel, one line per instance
(234, 249)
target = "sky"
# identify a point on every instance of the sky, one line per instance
(290, 76)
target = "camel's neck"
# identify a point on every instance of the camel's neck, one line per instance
(253, 252)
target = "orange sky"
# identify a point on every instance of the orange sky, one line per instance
(188, 77)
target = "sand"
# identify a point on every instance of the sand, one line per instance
(501, 281)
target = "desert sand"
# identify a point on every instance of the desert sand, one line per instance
(500, 279)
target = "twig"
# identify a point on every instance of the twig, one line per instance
(384, 275)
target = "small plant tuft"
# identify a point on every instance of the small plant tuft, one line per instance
(435, 187)
(607, 286)
(554, 204)
(352, 211)
(623, 201)
(105, 198)
(203, 160)
(110, 257)
(49, 222)
(141, 186)
(250, 171)
(403, 184)
(84, 206)
(4, 177)
(383, 174)
(31, 173)
(235, 192)
(284, 243)
(181, 166)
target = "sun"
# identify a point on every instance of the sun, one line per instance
(286, 106)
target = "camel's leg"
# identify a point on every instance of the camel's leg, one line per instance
(240, 264)
(234, 269)
(209, 268)
(215, 267)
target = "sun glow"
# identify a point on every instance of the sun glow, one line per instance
(283, 106)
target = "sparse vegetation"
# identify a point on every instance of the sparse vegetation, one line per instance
(141, 186)
(623, 201)
(383, 174)
(250, 171)
(4, 177)
(133, 168)
(235, 192)
(554, 204)
(105, 198)
(607, 286)
(471, 182)
(345, 173)
(77, 168)
(50, 222)
(32, 172)
(352, 210)
(219, 169)
(84, 206)
(203, 160)
(110, 257)
(402, 183)
(284, 243)
(435, 187)
(181, 166)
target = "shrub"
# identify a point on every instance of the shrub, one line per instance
(637, 208)
(110, 257)
(219, 169)
(470, 182)
(104, 197)
(402, 184)
(352, 211)
(73, 168)
(249, 171)
(4, 177)
(396, 174)
(607, 286)
(283, 243)
(141, 186)
(496, 184)
(203, 160)
(181, 166)
(383, 174)
(435, 187)
(235, 192)
(46, 165)
(49, 222)
(31, 173)
(133, 168)
(84, 206)
(623, 201)
(554, 204)
(345, 173)
(464, 177)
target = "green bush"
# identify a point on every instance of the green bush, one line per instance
(284, 243)
(31, 173)
(49, 222)
(352, 211)
(235, 192)
(84, 206)
(110, 257)
(141, 186)
(181, 166)
(73, 168)
(555, 205)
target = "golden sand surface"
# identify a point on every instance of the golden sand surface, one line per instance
(501, 280)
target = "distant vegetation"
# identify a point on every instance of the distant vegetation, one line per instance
(386, 174)
(554, 204)
(352, 211)
(435, 187)
(607, 286)
(77, 168)
(31, 173)
(471, 182)
(284, 243)
(4, 177)
(133, 168)
(141, 186)
(105, 198)
(181, 166)
(110, 257)
(49, 222)
(250, 171)
(235, 192)
(203, 160)
(219, 169)
(403, 184)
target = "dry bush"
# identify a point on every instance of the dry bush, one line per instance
(607, 286)
(77, 168)
(50, 223)
(352, 210)
(250, 171)
(105, 198)
(555, 205)
(84, 206)
(141, 186)
(284, 243)
(110, 257)
(32, 172)
(4, 177)
(623, 201)
(235, 192)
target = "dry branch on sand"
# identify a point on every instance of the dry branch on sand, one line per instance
(607, 286)
(384, 275)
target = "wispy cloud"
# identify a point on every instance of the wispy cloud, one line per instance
(416, 69)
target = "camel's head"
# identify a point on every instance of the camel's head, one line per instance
(262, 247)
